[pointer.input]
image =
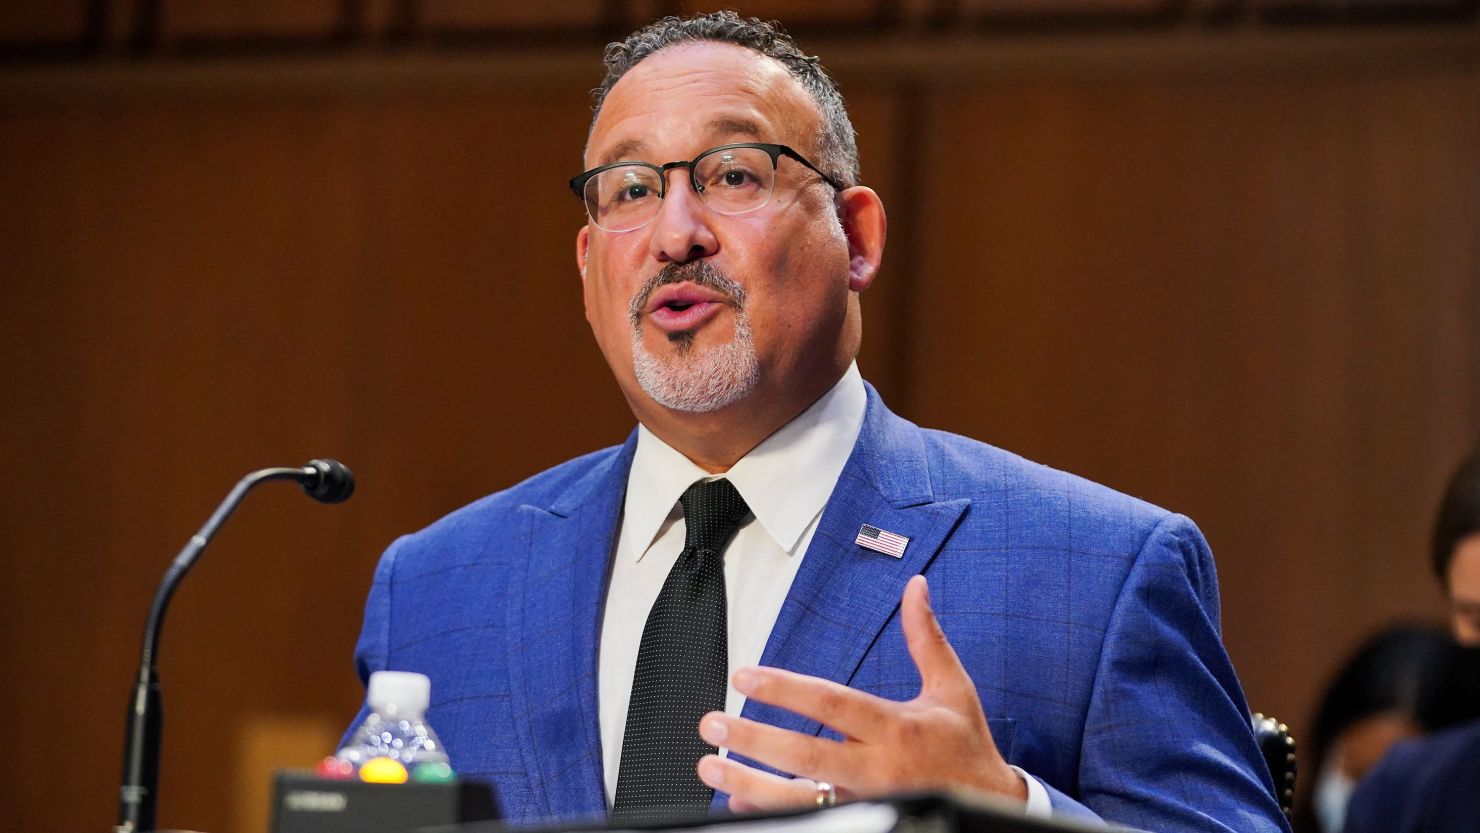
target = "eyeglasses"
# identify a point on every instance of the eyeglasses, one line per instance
(729, 179)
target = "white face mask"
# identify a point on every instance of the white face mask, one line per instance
(1332, 795)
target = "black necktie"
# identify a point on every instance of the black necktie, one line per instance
(682, 663)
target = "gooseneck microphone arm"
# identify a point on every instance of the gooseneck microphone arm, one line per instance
(327, 481)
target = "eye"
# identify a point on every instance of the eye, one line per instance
(634, 191)
(622, 188)
(732, 175)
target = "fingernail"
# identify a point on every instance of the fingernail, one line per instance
(745, 681)
(711, 771)
(925, 583)
(712, 728)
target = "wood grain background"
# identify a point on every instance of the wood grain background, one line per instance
(1242, 282)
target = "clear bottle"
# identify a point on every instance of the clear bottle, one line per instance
(396, 731)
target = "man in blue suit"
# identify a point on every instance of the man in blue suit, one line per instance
(731, 609)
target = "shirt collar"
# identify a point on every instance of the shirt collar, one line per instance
(786, 480)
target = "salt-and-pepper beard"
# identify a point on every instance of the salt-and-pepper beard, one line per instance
(695, 379)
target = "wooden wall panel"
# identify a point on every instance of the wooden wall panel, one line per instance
(186, 302)
(1251, 301)
(524, 14)
(38, 20)
(835, 12)
(248, 18)
(1064, 9)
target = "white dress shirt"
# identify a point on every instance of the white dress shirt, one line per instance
(786, 481)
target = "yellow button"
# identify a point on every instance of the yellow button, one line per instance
(383, 771)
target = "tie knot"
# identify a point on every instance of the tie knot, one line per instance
(711, 511)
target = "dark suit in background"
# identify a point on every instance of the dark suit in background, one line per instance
(1428, 785)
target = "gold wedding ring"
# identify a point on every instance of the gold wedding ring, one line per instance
(827, 795)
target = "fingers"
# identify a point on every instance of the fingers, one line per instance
(752, 790)
(940, 669)
(788, 751)
(850, 712)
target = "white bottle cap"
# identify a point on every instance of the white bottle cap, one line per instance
(402, 693)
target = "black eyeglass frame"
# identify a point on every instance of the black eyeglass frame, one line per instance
(578, 183)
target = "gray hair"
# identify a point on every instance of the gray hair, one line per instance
(836, 148)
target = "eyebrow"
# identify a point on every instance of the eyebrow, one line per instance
(622, 152)
(727, 127)
(730, 127)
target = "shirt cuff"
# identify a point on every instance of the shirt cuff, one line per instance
(1038, 804)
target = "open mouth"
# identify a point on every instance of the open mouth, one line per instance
(685, 306)
(684, 315)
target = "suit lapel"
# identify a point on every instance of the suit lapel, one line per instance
(844, 594)
(553, 627)
(840, 601)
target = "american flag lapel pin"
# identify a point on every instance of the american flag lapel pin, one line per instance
(881, 540)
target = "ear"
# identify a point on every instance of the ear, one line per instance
(583, 244)
(862, 214)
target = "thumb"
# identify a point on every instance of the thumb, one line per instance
(941, 673)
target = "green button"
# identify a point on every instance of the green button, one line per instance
(432, 773)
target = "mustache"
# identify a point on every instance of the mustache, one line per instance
(699, 272)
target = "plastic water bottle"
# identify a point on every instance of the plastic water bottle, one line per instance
(395, 744)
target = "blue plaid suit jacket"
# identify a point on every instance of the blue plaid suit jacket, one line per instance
(1088, 619)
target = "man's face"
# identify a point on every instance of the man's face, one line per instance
(708, 309)
(1464, 590)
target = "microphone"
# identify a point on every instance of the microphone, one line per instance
(326, 481)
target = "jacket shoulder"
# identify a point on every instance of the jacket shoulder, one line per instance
(469, 529)
(1036, 500)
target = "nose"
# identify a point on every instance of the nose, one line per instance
(681, 231)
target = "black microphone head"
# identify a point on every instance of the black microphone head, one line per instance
(328, 481)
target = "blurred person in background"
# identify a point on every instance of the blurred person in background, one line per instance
(1392, 688)
(1456, 549)
(1432, 784)
(1429, 784)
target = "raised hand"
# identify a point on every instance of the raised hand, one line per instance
(938, 740)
